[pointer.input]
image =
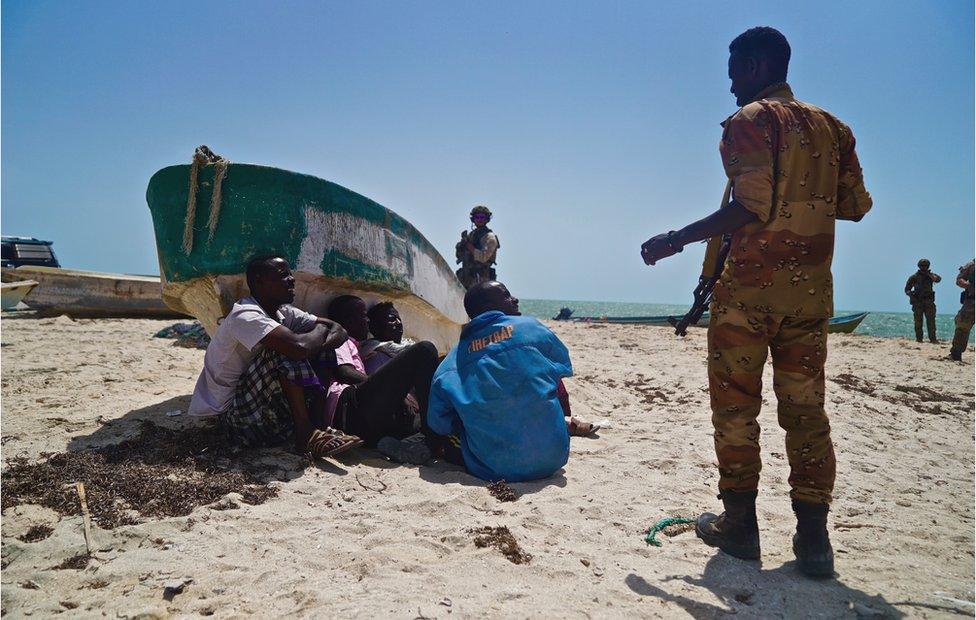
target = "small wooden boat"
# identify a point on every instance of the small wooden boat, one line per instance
(12, 293)
(336, 241)
(92, 294)
(668, 320)
(845, 324)
(836, 325)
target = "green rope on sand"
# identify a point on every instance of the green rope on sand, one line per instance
(660, 525)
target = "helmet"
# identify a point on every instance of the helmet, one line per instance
(924, 263)
(481, 209)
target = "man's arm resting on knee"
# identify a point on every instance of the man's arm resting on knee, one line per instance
(303, 346)
(347, 373)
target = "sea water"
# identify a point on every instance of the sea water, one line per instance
(883, 324)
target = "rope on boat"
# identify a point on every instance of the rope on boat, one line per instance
(660, 525)
(203, 156)
(219, 173)
(191, 208)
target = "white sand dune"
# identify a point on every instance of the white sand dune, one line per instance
(364, 538)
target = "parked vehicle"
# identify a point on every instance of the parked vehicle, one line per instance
(17, 251)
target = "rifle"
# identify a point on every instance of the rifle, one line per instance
(719, 249)
(703, 292)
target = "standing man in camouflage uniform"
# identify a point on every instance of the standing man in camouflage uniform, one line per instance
(477, 250)
(794, 173)
(922, 296)
(967, 314)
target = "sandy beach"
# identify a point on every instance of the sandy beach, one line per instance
(362, 537)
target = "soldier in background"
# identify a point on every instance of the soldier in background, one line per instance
(477, 249)
(922, 296)
(967, 314)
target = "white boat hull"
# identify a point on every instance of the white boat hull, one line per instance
(12, 293)
(210, 298)
(93, 294)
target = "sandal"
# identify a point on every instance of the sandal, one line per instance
(579, 428)
(323, 444)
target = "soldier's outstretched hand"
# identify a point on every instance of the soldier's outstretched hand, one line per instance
(656, 248)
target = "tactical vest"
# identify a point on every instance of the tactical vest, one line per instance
(477, 236)
(922, 287)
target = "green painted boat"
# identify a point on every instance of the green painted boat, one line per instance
(337, 242)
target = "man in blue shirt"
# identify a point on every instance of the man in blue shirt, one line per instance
(497, 391)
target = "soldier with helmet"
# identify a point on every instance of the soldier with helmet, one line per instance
(967, 314)
(477, 250)
(922, 296)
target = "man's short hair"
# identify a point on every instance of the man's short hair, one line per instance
(377, 313)
(258, 266)
(479, 299)
(765, 42)
(338, 306)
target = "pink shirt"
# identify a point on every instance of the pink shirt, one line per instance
(348, 353)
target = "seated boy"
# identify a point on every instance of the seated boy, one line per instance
(498, 391)
(387, 342)
(372, 406)
(257, 372)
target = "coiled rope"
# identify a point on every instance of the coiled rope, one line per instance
(660, 525)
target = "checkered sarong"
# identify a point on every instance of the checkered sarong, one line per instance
(260, 415)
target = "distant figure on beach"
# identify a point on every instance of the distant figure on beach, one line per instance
(921, 294)
(386, 329)
(379, 407)
(258, 370)
(967, 314)
(477, 250)
(498, 394)
(794, 172)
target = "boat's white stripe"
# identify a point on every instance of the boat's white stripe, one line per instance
(376, 246)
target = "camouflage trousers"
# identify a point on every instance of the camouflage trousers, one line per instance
(964, 324)
(924, 309)
(738, 343)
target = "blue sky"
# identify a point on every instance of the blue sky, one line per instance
(585, 126)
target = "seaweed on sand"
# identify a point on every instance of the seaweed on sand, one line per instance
(159, 473)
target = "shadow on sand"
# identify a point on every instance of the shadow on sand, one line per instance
(266, 464)
(279, 463)
(748, 590)
(442, 472)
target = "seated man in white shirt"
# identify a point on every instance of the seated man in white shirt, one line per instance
(257, 371)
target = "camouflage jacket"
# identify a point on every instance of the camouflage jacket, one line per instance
(794, 166)
(968, 273)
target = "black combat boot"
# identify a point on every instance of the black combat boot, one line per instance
(814, 555)
(735, 531)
